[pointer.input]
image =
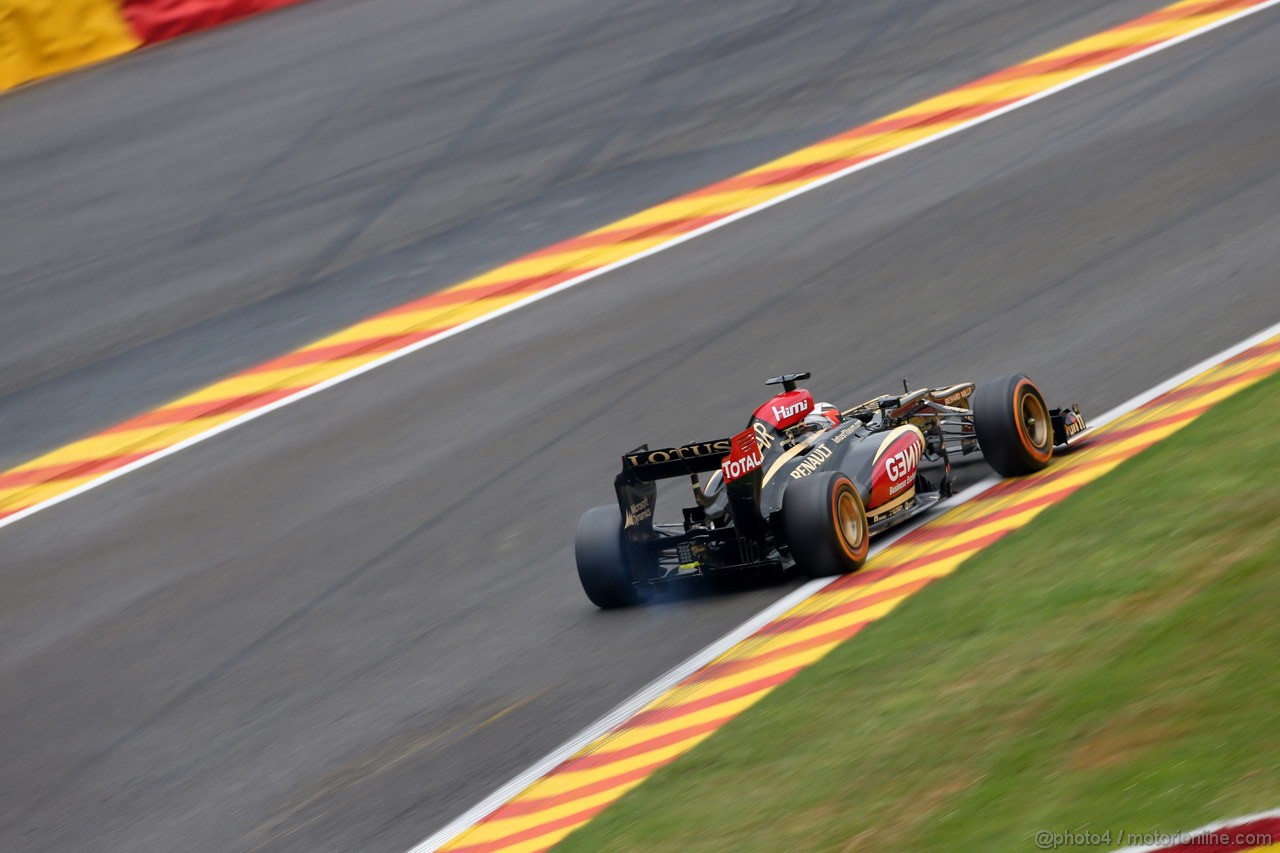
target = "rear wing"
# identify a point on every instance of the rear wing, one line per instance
(643, 465)
(642, 468)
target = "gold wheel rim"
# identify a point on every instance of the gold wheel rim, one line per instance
(1035, 420)
(850, 520)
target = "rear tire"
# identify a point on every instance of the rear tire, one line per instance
(1013, 425)
(604, 565)
(825, 523)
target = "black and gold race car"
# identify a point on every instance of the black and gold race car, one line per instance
(805, 486)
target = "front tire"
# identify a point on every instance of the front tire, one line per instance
(1013, 425)
(825, 523)
(604, 565)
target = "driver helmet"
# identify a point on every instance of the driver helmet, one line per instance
(823, 417)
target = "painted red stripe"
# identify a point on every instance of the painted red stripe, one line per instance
(68, 470)
(674, 712)
(821, 168)
(1010, 487)
(605, 758)
(1229, 839)
(729, 667)
(532, 832)
(788, 623)
(1117, 435)
(946, 553)
(755, 180)
(1201, 388)
(1005, 488)
(670, 228)
(1187, 12)
(808, 620)
(1027, 69)
(1255, 352)
(1093, 460)
(333, 352)
(194, 411)
(158, 21)
(1061, 63)
(945, 531)
(159, 417)
(468, 295)
(533, 805)
(915, 120)
(864, 577)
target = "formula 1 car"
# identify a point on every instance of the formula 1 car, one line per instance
(804, 490)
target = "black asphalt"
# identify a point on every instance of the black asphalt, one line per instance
(205, 205)
(340, 626)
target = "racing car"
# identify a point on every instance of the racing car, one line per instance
(805, 486)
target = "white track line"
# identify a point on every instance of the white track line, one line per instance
(585, 277)
(673, 677)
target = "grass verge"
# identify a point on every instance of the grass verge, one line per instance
(1115, 665)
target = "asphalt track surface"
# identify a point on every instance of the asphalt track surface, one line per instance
(339, 626)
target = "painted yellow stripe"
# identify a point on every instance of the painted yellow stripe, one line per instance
(494, 831)
(748, 650)
(39, 38)
(860, 146)
(103, 446)
(1009, 90)
(543, 842)
(841, 596)
(693, 692)
(637, 735)
(580, 259)
(708, 205)
(150, 438)
(24, 495)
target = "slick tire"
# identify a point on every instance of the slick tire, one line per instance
(826, 525)
(604, 565)
(1013, 425)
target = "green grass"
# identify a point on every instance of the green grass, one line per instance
(1114, 665)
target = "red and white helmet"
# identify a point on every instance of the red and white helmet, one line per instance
(823, 417)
